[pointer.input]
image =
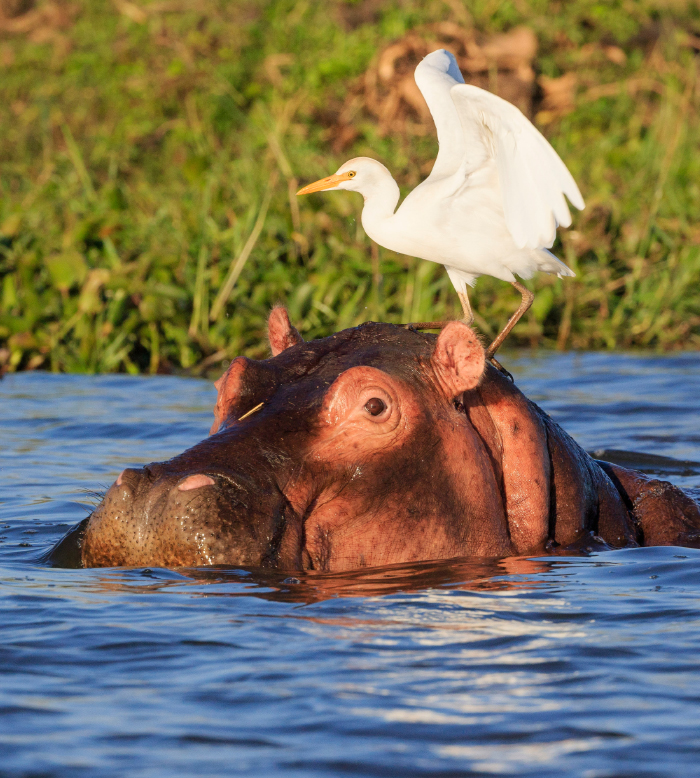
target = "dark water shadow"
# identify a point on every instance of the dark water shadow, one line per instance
(465, 573)
(650, 464)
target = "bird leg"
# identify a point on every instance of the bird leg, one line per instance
(438, 325)
(466, 308)
(525, 303)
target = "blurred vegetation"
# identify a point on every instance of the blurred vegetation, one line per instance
(149, 154)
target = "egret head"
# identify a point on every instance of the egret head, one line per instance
(361, 174)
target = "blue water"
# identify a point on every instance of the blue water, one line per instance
(552, 667)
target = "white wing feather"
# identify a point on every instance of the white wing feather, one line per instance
(435, 77)
(532, 177)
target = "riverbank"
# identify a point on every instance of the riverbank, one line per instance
(150, 154)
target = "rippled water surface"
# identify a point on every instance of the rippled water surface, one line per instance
(549, 667)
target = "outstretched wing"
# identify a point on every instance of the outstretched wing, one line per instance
(435, 77)
(532, 177)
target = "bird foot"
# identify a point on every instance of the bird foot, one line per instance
(499, 367)
(425, 325)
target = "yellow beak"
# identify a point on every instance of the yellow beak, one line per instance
(325, 183)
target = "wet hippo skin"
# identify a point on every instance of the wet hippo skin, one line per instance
(377, 445)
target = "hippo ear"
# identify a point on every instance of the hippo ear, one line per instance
(280, 332)
(228, 387)
(458, 359)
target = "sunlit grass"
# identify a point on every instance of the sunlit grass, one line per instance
(149, 159)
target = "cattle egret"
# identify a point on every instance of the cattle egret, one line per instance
(491, 204)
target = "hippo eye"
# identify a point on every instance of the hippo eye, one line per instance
(375, 406)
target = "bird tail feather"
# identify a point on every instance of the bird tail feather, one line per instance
(548, 263)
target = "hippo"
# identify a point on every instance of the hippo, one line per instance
(378, 445)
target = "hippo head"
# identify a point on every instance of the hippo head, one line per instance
(378, 445)
(340, 453)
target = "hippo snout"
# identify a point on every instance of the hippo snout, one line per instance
(180, 518)
(149, 483)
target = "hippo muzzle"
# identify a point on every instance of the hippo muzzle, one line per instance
(192, 519)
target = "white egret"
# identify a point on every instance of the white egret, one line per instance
(491, 204)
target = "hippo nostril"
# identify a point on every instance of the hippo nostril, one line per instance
(195, 482)
(129, 478)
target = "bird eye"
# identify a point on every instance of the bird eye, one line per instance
(375, 406)
(352, 174)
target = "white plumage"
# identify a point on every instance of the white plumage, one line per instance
(491, 204)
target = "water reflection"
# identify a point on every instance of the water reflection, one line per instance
(465, 573)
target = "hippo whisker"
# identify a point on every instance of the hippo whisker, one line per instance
(95, 496)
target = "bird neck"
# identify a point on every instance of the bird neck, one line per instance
(380, 204)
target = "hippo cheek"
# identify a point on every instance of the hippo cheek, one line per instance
(431, 495)
(342, 536)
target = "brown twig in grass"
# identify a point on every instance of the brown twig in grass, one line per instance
(212, 359)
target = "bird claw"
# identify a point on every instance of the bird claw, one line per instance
(424, 325)
(499, 367)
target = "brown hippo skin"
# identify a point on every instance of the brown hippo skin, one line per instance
(377, 445)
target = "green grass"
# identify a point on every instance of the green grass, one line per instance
(139, 150)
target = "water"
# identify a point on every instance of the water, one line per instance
(552, 667)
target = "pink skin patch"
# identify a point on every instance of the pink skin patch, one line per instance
(119, 480)
(195, 482)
